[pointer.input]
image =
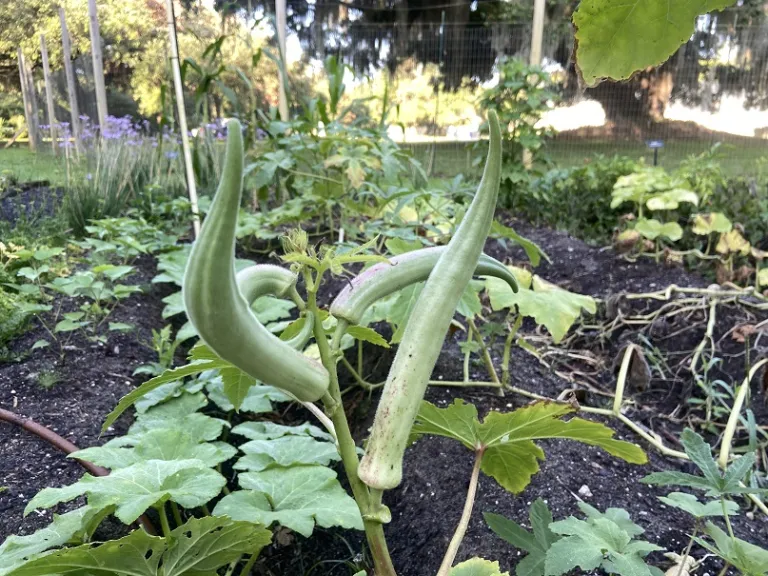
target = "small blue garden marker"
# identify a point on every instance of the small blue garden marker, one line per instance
(655, 145)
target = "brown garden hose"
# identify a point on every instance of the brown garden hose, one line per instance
(65, 446)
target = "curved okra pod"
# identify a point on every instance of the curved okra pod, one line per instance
(381, 467)
(216, 307)
(267, 279)
(386, 278)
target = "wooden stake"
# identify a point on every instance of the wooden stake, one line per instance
(27, 96)
(281, 24)
(74, 109)
(98, 64)
(49, 97)
(537, 33)
(179, 88)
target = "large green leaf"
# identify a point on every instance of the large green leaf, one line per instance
(286, 451)
(671, 199)
(179, 413)
(138, 554)
(297, 498)
(203, 545)
(535, 543)
(651, 229)
(16, 550)
(257, 400)
(477, 567)
(510, 454)
(157, 444)
(616, 39)
(134, 489)
(172, 375)
(198, 548)
(270, 430)
(704, 224)
(556, 309)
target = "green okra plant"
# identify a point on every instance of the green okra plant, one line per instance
(217, 300)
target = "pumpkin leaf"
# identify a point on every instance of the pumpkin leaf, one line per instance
(17, 550)
(286, 451)
(705, 224)
(137, 554)
(297, 498)
(134, 489)
(651, 229)
(733, 242)
(203, 545)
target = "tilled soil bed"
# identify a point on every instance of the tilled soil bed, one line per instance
(427, 505)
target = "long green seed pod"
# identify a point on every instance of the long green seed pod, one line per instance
(267, 279)
(218, 310)
(386, 278)
(382, 465)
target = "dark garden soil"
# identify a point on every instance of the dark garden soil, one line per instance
(428, 504)
(90, 381)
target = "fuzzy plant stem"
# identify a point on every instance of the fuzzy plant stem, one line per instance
(461, 529)
(249, 565)
(687, 552)
(374, 530)
(164, 520)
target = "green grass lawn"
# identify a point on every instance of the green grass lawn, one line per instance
(736, 159)
(28, 166)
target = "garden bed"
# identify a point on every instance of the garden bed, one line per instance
(427, 505)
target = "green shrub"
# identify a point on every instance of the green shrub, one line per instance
(577, 199)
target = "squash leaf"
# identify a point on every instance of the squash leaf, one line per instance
(297, 498)
(286, 451)
(651, 229)
(704, 224)
(200, 547)
(134, 489)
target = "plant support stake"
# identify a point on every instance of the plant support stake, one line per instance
(179, 89)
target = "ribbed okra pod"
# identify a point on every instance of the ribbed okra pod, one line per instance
(381, 467)
(386, 278)
(219, 311)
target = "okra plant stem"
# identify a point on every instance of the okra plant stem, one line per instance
(164, 520)
(461, 529)
(486, 354)
(374, 530)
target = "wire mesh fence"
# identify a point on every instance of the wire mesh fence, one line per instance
(714, 89)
